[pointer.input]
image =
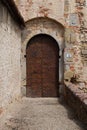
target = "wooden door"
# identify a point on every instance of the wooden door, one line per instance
(42, 62)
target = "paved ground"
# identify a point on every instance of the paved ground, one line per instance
(39, 114)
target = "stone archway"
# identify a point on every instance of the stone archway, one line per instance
(42, 26)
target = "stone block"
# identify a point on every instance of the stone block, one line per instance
(70, 36)
(73, 20)
(84, 52)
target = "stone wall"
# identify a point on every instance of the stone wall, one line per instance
(72, 14)
(76, 98)
(42, 8)
(10, 46)
(75, 38)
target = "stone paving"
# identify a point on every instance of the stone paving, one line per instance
(40, 114)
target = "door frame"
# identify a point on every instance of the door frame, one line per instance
(53, 43)
(56, 33)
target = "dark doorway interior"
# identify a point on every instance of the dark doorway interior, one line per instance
(42, 67)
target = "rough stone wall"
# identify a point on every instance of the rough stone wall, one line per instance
(41, 8)
(10, 45)
(76, 40)
(73, 15)
(77, 100)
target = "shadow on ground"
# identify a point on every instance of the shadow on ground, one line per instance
(72, 116)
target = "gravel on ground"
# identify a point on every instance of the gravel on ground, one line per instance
(40, 114)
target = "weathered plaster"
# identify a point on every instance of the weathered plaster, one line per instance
(42, 8)
(10, 45)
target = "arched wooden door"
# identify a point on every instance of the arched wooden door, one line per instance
(42, 63)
